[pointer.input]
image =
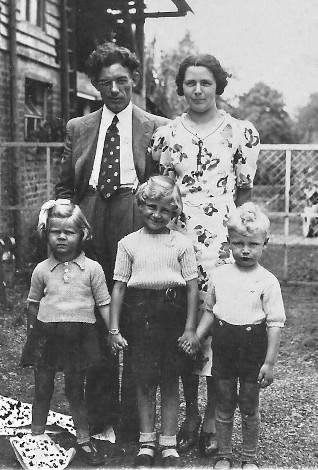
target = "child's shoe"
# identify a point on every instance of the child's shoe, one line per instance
(250, 465)
(170, 458)
(223, 463)
(145, 457)
(89, 454)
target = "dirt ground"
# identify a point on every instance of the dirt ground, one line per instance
(289, 407)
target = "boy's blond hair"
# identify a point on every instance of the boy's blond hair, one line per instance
(248, 219)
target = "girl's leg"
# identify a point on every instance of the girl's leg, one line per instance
(44, 388)
(146, 404)
(169, 388)
(249, 408)
(226, 405)
(74, 391)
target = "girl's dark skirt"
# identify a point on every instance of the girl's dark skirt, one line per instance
(64, 346)
(155, 321)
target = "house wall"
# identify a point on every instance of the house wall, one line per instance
(23, 171)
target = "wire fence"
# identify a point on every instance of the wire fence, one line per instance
(285, 187)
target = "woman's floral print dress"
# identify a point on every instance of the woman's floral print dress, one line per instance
(208, 168)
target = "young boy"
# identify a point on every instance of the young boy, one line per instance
(245, 306)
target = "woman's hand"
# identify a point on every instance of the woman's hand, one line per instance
(189, 342)
(117, 343)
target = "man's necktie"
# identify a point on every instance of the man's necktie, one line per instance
(109, 174)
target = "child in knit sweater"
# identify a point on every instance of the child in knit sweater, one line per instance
(156, 280)
(244, 305)
(62, 334)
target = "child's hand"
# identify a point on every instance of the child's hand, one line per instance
(266, 375)
(189, 342)
(117, 343)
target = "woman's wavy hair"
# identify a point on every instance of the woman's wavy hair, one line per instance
(72, 213)
(161, 187)
(108, 54)
(203, 60)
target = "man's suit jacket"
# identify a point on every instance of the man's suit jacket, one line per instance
(80, 148)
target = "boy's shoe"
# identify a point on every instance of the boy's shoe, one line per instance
(89, 454)
(250, 465)
(223, 463)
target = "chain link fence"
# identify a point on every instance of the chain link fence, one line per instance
(285, 187)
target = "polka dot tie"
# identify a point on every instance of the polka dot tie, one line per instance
(109, 174)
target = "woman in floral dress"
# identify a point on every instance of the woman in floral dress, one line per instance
(213, 158)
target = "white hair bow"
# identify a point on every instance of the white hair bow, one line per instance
(47, 206)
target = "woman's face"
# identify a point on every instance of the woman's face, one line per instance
(199, 88)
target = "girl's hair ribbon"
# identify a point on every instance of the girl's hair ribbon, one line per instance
(44, 211)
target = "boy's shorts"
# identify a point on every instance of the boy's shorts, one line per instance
(239, 351)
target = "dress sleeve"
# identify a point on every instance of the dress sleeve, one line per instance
(37, 286)
(160, 150)
(245, 158)
(122, 271)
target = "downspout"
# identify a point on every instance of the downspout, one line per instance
(13, 70)
(65, 79)
(14, 191)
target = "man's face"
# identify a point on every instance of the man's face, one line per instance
(115, 84)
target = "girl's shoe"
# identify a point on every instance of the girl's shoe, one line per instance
(208, 444)
(171, 461)
(89, 454)
(145, 459)
(223, 463)
(170, 458)
(250, 465)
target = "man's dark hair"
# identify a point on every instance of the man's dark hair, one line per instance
(108, 54)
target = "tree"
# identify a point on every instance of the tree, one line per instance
(307, 121)
(160, 78)
(264, 107)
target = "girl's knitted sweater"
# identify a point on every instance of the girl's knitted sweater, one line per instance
(155, 261)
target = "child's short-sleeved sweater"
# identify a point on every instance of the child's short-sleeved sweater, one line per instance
(242, 297)
(68, 292)
(155, 261)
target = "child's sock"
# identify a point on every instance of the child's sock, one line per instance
(169, 446)
(224, 429)
(250, 435)
(147, 442)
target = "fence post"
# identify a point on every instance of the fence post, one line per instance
(48, 173)
(286, 221)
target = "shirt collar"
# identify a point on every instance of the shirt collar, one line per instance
(80, 261)
(123, 116)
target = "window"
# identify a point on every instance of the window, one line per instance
(32, 11)
(37, 96)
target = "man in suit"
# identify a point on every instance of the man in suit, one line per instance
(103, 162)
